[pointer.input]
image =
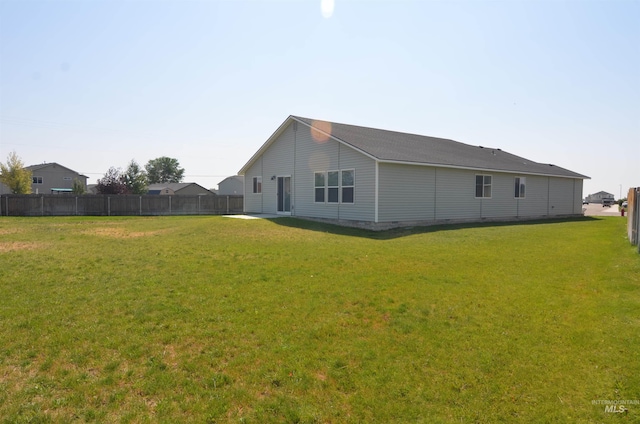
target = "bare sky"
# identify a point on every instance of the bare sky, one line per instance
(94, 84)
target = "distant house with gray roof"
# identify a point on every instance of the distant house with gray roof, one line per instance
(599, 197)
(376, 178)
(53, 178)
(230, 186)
(177, 189)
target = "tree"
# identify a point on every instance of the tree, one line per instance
(78, 187)
(112, 183)
(164, 170)
(15, 176)
(135, 178)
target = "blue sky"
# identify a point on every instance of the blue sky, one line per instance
(94, 84)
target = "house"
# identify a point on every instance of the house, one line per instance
(177, 189)
(378, 179)
(599, 197)
(231, 186)
(54, 178)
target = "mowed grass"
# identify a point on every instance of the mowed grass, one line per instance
(211, 319)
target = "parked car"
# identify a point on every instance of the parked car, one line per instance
(625, 204)
(606, 203)
(584, 202)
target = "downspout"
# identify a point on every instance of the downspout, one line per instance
(292, 207)
(339, 181)
(376, 193)
(548, 194)
(435, 193)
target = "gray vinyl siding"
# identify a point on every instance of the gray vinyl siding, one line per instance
(313, 156)
(406, 192)
(577, 196)
(363, 208)
(503, 203)
(455, 194)
(561, 196)
(252, 201)
(414, 193)
(277, 161)
(535, 202)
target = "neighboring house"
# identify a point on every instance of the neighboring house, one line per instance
(54, 178)
(599, 197)
(177, 189)
(380, 179)
(231, 186)
(4, 189)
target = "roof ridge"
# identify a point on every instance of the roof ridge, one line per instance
(380, 129)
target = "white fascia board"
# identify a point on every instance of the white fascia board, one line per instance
(469, 168)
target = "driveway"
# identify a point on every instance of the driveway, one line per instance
(596, 209)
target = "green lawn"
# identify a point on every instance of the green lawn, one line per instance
(211, 319)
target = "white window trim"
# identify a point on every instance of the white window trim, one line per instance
(351, 186)
(254, 184)
(324, 187)
(339, 187)
(523, 182)
(333, 186)
(475, 185)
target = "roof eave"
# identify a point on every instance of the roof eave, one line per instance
(471, 168)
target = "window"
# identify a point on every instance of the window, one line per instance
(257, 184)
(348, 185)
(37, 180)
(483, 186)
(319, 187)
(332, 186)
(519, 186)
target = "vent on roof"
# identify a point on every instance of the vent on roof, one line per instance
(481, 147)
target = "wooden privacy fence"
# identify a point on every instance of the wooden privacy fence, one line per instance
(118, 205)
(633, 209)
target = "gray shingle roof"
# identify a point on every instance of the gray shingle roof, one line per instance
(391, 146)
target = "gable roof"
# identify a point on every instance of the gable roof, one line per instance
(54, 164)
(396, 147)
(173, 186)
(239, 178)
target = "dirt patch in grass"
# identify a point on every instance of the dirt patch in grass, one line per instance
(7, 231)
(12, 246)
(120, 233)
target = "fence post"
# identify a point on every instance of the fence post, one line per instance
(42, 205)
(108, 206)
(199, 204)
(140, 205)
(169, 205)
(76, 205)
(227, 205)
